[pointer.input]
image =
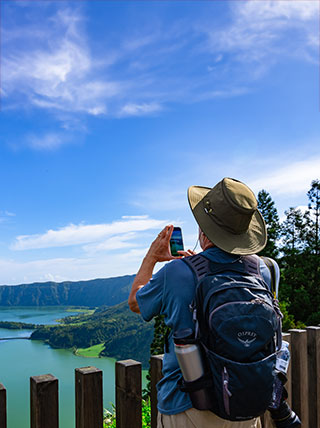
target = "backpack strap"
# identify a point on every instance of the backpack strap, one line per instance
(275, 279)
(274, 274)
(199, 265)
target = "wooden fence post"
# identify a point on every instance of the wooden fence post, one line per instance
(44, 411)
(156, 375)
(313, 334)
(128, 394)
(88, 394)
(299, 375)
(3, 406)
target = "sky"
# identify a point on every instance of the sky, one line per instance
(110, 110)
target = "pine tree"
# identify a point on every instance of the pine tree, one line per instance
(314, 216)
(270, 214)
(292, 231)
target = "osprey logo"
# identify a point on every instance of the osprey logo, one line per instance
(246, 337)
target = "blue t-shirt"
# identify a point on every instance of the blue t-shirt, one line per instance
(169, 293)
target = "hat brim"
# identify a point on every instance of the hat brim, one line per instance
(250, 242)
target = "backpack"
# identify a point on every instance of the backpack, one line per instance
(238, 328)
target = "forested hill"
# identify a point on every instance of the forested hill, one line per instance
(93, 293)
(123, 333)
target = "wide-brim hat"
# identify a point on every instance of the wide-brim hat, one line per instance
(228, 215)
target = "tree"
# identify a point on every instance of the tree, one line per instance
(292, 232)
(270, 214)
(314, 216)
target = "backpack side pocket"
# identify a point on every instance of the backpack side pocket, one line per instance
(242, 390)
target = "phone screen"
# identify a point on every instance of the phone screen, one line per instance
(176, 243)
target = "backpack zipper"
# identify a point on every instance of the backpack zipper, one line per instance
(225, 388)
(255, 301)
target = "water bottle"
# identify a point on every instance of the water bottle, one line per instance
(189, 358)
(282, 363)
(283, 358)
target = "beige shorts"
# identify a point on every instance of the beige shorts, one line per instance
(193, 418)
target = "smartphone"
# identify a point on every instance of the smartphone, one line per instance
(176, 243)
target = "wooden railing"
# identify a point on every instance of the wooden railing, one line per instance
(303, 387)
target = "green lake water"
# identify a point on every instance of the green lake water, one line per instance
(20, 359)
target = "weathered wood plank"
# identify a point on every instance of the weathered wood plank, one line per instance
(266, 421)
(156, 375)
(3, 406)
(44, 411)
(89, 397)
(313, 335)
(128, 394)
(299, 375)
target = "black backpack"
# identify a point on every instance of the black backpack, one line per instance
(238, 327)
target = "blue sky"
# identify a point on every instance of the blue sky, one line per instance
(110, 110)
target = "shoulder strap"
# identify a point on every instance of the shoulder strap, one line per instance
(199, 265)
(270, 265)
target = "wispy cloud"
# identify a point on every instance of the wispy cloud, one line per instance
(50, 63)
(86, 234)
(71, 268)
(289, 179)
(139, 109)
(265, 32)
(49, 141)
(6, 215)
(60, 74)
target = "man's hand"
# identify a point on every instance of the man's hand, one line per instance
(187, 253)
(159, 250)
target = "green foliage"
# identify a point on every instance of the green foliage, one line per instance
(12, 325)
(160, 335)
(288, 321)
(270, 214)
(93, 293)
(110, 417)
(123, 333)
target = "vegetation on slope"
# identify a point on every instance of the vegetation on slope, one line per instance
(124, 334)
(97, 292)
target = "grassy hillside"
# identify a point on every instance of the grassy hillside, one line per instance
(123, 333)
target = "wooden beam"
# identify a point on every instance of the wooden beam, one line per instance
(299, 375)
(128, 394)
(89, 399)
(44, 411)
(3, 406)
(313, 335)
(156, 375)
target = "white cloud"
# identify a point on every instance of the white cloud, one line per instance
(71, 269)
(291, 179)
(111, 244)
(265, 32)
(6, 215)
(59, 75)
(139, 109)
(46, 142)
(85, 234)
(51, 64)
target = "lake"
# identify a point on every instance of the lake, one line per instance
(20, 359)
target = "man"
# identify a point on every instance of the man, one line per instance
(229, 225)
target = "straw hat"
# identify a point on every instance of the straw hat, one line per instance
(228, 215)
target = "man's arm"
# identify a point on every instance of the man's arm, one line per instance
(159, 251)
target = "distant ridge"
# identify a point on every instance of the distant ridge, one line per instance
(91, 293)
